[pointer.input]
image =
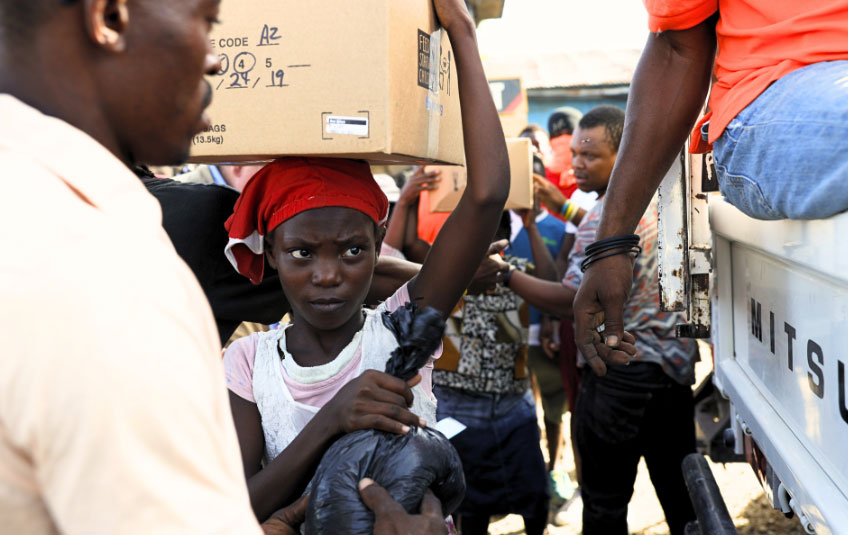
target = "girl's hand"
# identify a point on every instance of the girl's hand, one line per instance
(452, 13)
(374, 400)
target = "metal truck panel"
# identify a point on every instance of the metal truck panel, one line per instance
(780, 310)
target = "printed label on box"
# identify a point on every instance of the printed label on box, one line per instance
(423, 59)
(353, 126)
(434, 69)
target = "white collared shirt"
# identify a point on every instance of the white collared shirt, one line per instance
(114, 416)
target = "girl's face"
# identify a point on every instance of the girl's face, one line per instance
(325, 259)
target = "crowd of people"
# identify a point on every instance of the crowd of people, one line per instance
(119, 414)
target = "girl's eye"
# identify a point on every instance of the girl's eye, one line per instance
(299, 253)
(353, 251)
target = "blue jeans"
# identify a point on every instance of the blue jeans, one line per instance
(786, 154)
(500, 452)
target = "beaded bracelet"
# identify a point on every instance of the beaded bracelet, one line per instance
(569, 210)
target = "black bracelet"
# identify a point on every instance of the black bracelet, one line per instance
(614, 242)
(592, 259)
(507, 276)
(612, 246)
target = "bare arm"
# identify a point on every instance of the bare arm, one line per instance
(553, 199)
(546, 295)
(545, 268)
(562, 255)
(374, 400)
(465, 236)
(414, 247)
(668, 91)
(397, 226)
(390, 274)
(418, 182)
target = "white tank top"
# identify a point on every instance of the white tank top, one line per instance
(283, 417)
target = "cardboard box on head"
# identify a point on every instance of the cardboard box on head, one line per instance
(370, 79)
(450, 188)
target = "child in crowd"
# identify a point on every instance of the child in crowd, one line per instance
(481, 380)
(320, 224)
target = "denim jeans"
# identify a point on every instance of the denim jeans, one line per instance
(500, 451)
(786, 154)
(633, 412)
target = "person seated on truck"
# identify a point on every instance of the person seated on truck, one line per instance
(644, 409)
(320, 222)
(777, 121)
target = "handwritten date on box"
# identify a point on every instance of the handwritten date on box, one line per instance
(243, 69)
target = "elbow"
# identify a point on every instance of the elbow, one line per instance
(494, 192)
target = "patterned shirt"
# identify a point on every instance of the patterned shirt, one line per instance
(485, 344)
(654, 329)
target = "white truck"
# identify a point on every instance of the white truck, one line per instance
(772, 298)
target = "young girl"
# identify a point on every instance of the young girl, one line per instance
(320, 224)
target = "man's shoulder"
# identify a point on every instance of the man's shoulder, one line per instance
(25, 175)
(167, 190)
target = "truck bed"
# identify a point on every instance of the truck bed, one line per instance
(779, 292)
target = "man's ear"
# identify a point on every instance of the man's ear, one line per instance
(106, 22)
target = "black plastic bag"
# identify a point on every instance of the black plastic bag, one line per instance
(405, 465)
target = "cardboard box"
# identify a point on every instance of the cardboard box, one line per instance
(446, 196)
(369, 79)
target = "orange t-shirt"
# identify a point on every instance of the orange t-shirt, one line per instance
(429, 223)
(759, 42)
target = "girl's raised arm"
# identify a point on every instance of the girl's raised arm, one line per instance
(465, 236)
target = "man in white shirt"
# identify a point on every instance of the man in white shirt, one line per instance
(113, 412)
(114, 415)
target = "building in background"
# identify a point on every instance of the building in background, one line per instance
(581, 79)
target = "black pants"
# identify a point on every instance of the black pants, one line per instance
(633, 411)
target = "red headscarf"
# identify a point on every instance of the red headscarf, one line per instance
(289, 186)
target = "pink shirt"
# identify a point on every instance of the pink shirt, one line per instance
(240, 356)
